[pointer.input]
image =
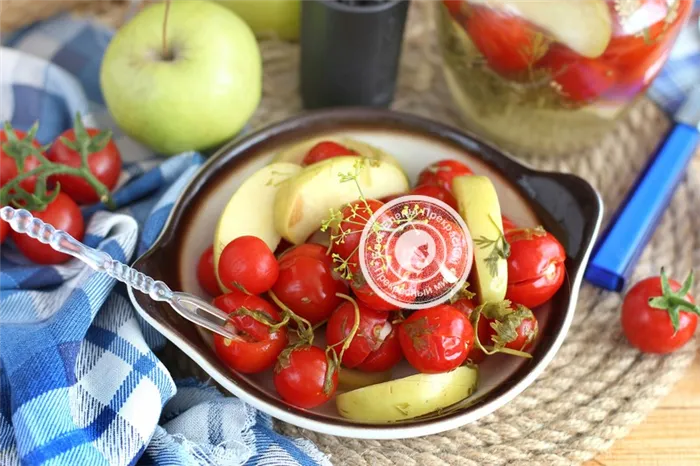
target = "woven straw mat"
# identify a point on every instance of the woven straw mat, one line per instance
(597, 387)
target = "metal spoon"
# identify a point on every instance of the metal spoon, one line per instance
(187, 305)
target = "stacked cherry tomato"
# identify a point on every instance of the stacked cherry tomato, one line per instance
(80, 167)
(515, 48)
(276, 300)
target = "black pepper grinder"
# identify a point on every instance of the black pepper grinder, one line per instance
(350, 51)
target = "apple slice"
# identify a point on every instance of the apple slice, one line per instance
(304, 201)
(585, 26)
(409, 397)
(250, 210)
(480, 209)
(297, 152)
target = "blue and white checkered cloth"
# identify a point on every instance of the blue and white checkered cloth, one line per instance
(79, 382)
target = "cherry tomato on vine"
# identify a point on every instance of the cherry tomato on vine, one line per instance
(386, 356)
(64, 214)
(104, 161)
(508, 43)
(247, 263)
(442, 173)
(536, 268)
(345, 237)
(4, 230)
(17, 146)
(205, 272)
(659, 315)
(372, 330)
(436, 192)
(326, 150)
(300, 377)
(436, 339)
(306, 283)
(255, 347)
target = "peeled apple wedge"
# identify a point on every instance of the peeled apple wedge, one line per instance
(585, 26)
(296, 153)
(409, 397)
(250, 209)
(350, 379)
(304, 201)
(481, 211)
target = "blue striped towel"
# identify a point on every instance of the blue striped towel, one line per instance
(79, 382)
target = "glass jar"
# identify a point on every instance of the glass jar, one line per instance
(547, 77)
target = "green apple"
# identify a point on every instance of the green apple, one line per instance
(197, 94)
(297, 152)
(277, 19)
(409, 397)
(481, 211)
(249, 211)
(585, 26)
(304, 201)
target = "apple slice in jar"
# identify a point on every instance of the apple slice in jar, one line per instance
(250, 210)
(585, 26)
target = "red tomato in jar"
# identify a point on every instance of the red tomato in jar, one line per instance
(104, 161)
(205, 272)
(442, 173)
(371, 333)
(436, 192)
(300, 377)
(580, 79)
(536, 268)
(509, 44)
(659, 315)
(20, 149)
(326, 150)
(306, 283)
(248, 264)
(64, 214)
(437, 339)
(255, 347)
(386, 356)
(345, 237)
(4, 230)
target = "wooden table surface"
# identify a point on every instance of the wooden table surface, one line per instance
(670, 436)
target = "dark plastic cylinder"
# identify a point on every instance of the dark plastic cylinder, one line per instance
(350, 51)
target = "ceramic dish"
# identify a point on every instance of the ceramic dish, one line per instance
(565, 205)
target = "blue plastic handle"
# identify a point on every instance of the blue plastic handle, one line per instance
(630, 229)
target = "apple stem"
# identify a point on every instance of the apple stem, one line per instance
(167, 54)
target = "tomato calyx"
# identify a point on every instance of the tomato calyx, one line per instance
(500, 249)
(674, 303)
(305, 330)
(505, 322)
(21, 149)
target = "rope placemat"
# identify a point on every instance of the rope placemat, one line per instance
(597, 387)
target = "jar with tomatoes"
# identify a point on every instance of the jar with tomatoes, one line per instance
(546, 77)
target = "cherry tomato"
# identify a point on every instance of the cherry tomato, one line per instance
(326, 150)
(247, 263)
(436, 192)
(536, 268)
(306, 283)
(64, 214)
(467, 306)
(371, 333)
(8, 166)
(300, 377)
(508, 43)
(386, 356)
(255, 348)
(387, 199)
(364, 292)
(104, 161)
(580, 79)
(4, 230)
(345, 237)
(647, 313)
(442, 173)
(437, 339)
(513, 328)
(205, 272)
